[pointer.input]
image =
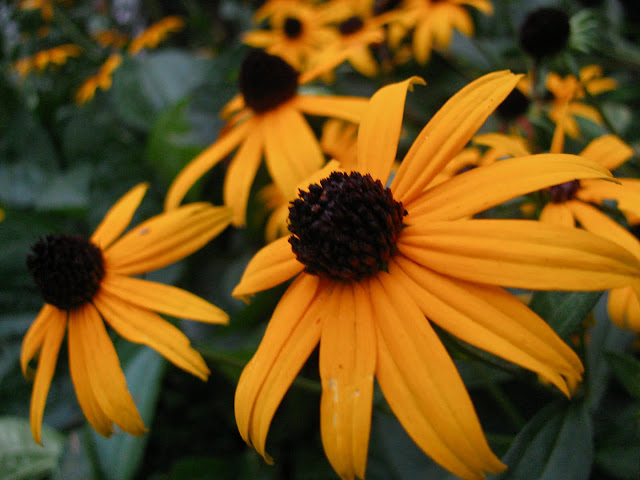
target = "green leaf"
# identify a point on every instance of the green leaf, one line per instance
(119, 456)
(618, 446)
(20, 457)
(201, 468)
(627, 371)
(557, 443)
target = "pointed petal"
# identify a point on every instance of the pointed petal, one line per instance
(87, 332)
(557, 214)
(609, 151)
(449, 131)
(272, 265)
(166, 238)
(347, 365)
(380, 129)
(492, 319)
(345, 108)
(422, 42)
(624, 308)
(626, 194)
(158, 297)
(477, 190)
(119, 217)
(46, 368)
(513, 146)
(423, 387)
(205, 161)
(363, 61)
(139, 325)
(292, 334)
(36, 334)
(520, 254)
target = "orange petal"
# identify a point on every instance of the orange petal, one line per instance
(345, 108)
(624, 308)
(557, 214)
(37, 332)
(609, 151)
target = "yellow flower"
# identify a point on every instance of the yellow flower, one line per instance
(570, 89)
(152, 36)
(374, 266)
(45, 7)
(111, 38)
(56, 56)
(266, 119)
(100, 80)
(87, 282)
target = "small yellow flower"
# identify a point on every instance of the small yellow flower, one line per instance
(111, 38)
(100, 80)
(44, 58)
(86, 283)
(45, 7)
(156, 33)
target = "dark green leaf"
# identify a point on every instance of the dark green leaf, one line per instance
(564, 311)
(627, 371)
(618, 446)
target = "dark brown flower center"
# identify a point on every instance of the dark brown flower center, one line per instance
(346, 227)
(266, 81)
(292, 27)
(67, 269)
(351, 25)
(545, 32)
(564, 192)
(515, 105)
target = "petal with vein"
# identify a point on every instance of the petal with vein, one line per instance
(118, 217)
(609, 151)
(345, 108)
(626, 194)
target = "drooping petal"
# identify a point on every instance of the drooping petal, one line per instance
(166, 238)
(479, 189)
(205, 161)
(240, 175)
(520, 254)
(118, 217)
(345, 108)
(609, 151)
(37, 332)
(492, 319)
(158, 297)
(347, 365)
(626, 194)
(139, 325)
(272, 265)
(380, 129)
(46, 368)
(422, 42)
(624, 308)
(87, 333)
(423, 387)
(513, 146)
(449, 131)
(292, 334)
(557, 214)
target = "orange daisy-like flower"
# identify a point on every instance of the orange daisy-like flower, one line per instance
(375, 266)
(52, 56)
(156, 33)
(266, 119)
(102, 79)
(85, 283)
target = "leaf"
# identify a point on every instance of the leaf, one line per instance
(557, 443)
(618, 446)
(119, 456)
(627, 371)
(20, 457)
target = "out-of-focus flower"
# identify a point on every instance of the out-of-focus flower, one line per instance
(85, 283)
(100, 80)
(545, 32)
(44, 58)
(266, 119)
(370, 263)
(156, 33)
(111, 38)
(45, 7)
(338, 140)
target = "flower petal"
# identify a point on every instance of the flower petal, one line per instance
(609, 151)
(513, 146)
(519, 253)
(46, 368)
(557, 214)
(166, 238)
(347, 365)
(292, 334)
(449, 131)
(119, 217)
(423, 387)
(380, 129)
(624, 308)
(345, 108)
(477, 190)
(37, 333)
(87, 333)
(139, 325)
(158, 297)
(205, 161)
(626, 194)
(272, 265)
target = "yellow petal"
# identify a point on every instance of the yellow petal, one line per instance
(363, 61)
(423, 387)
(347, 365)
(166, 238)
(449, 131)
(557, 214)
(520, 254)
(272, 265)
(422, 42)
(292, 334)
(205, 161)
(624, 308)
(513, 146)
(380, 129)
(119, 217)
(87, 332)
(609, 151)
(492, 319)
(46, 368)
(626, 193)
(139, 325)
(158, 297)
(37, 332)
(345, 108)
(482, 188)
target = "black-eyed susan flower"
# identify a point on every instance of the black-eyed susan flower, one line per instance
(102, 80)
(545, 32)
(156, 33)
(373, 267)
(86, 283)
(44, 58)
(267, 118)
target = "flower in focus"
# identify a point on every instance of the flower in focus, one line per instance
(101, 80)
(373, 267)
(52, 56)
(85, 283)
(266, 119)
(156, 33)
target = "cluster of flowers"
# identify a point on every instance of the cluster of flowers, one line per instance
(378, 251)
